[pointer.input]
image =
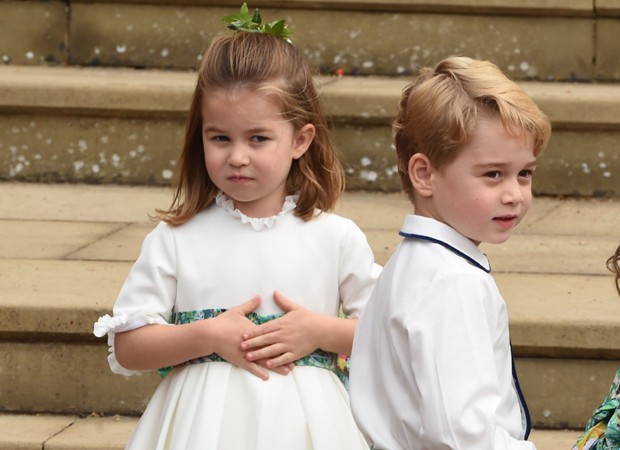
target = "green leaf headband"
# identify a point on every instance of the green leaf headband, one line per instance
(253, 24)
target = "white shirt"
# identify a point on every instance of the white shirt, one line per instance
(431, 366)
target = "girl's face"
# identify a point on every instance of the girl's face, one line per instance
(249, 147)
(487, 189)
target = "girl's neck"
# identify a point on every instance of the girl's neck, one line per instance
(261, 209)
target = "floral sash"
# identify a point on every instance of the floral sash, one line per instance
(319, 358)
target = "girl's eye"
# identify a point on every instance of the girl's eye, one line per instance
(258, 139)
(217, 138)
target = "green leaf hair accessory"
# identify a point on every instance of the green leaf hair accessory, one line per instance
(254, 24)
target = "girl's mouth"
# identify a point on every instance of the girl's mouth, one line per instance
(239, 179)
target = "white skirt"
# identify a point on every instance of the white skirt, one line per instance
(216, 406)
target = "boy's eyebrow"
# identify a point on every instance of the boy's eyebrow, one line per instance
(531, 163)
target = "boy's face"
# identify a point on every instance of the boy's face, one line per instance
(487, 189)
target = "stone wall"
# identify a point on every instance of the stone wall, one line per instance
(560, 40)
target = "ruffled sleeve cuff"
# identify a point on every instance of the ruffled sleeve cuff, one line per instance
(119, 324)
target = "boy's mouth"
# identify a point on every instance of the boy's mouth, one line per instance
(506, 221)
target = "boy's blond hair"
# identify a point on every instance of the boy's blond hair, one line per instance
(439, 110)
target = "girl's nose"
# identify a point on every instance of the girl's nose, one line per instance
(238, 156)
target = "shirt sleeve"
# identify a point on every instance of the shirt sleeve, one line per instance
(148, 294)
(455, 366)
(358, 271)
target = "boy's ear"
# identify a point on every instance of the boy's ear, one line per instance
(420, 172)
(303, 139)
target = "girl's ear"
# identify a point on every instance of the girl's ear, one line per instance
(420, 172)
(303, 139)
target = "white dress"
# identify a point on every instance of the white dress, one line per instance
(217, 260)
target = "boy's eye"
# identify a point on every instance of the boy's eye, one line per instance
(526, 173)
(494, 174)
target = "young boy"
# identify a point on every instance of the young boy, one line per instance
(431, 365)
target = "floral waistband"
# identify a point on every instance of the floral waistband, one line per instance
(319, 358)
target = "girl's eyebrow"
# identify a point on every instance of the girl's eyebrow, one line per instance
(216, 129)
(211, 128)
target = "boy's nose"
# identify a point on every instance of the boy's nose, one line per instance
(514, 192)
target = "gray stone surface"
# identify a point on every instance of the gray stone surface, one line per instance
(561, 41)
(112, 433)
(173, 36)
(33, 32)
(66, 378)
(542, 378)
(66, 250)
(608, 58)
(126, 126)
(29, 432)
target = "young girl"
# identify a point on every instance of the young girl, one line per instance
(603, 429)
(248, 221)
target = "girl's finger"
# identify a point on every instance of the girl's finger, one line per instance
(252, 343)
(283, 302)
(261, 330)
(265, 353)
(285, 359)
(247, 307)
(255, 369)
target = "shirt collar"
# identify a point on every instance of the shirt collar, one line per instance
(425, 228)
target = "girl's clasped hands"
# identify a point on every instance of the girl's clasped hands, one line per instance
(274, 345)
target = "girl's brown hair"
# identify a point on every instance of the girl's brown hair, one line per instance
(274, 66)
(613, 264)
(439, 110)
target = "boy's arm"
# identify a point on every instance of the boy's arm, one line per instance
(457, 370)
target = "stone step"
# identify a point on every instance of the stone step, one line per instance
(65, 250)
(554, 39)
(126, 126)
(111, 433)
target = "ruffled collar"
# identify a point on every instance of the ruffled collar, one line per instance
(257, 223)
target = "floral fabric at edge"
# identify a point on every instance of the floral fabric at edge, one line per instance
(319, 358)
(603, 428)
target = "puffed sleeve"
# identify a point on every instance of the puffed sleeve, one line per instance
(358, 271)
(454, 365)
(148, 294)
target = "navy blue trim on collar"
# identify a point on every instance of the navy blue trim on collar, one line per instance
(454, 250)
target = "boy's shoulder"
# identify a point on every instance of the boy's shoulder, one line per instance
(439, 244)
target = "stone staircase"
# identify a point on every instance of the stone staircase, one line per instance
(96, 93)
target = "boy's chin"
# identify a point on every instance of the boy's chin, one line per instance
(495, 239)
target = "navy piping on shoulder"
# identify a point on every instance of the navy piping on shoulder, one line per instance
(449, 247)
